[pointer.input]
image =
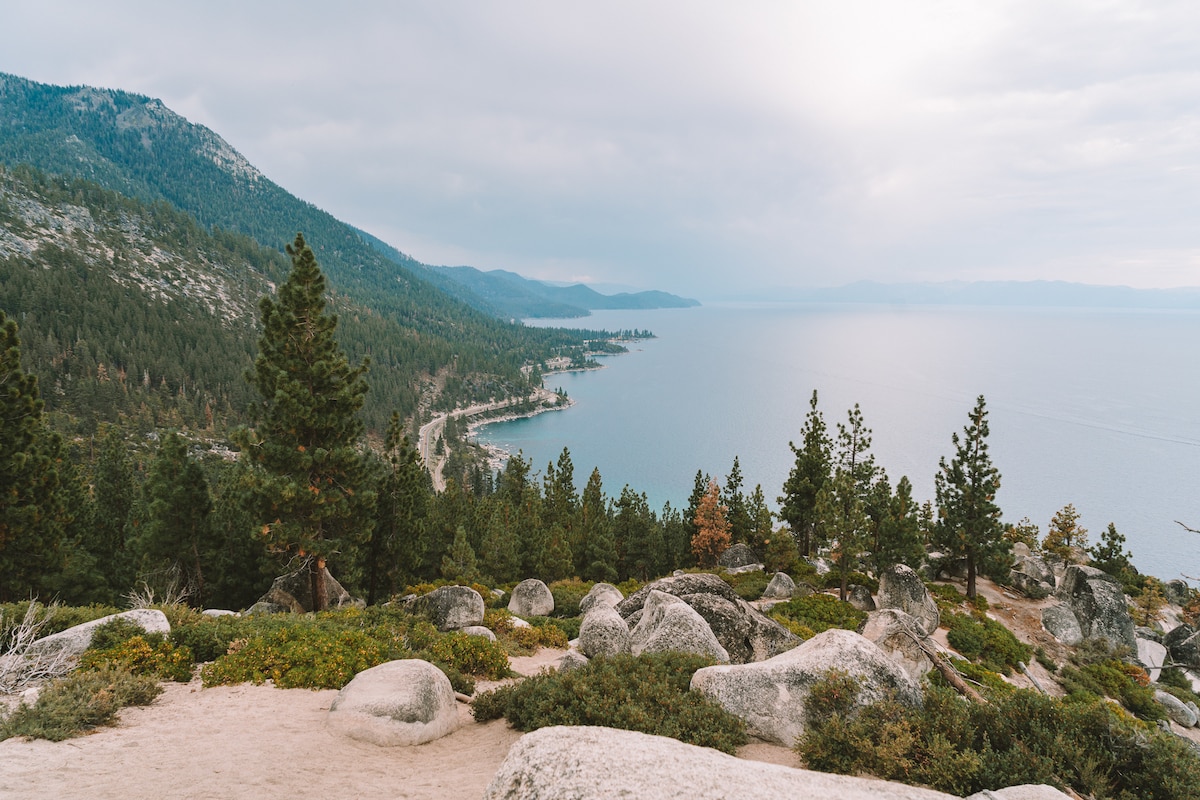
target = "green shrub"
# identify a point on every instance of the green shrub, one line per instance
(79, 702)
(832, 580)
(568, 594)
(1173, 680)
(748, 585)
(299, 656)
(985, 641)
(817, 613)
(144, 655)
(498, 620)
(1125, 683)
(474, 654)
(209, 637)
(1045, 660)
(648, 693)
(1018, 737)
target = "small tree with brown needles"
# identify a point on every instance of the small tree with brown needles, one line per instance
(713, 535)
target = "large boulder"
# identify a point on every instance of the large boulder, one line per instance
(1032, 565)
(604, 593)
(593, 763)
(745, 632)
(668, 624)
(770, 696)
(396, 703)
(859, 597)
(781, 587)
(739, 555)
(1153, 656)
(531, 598)
(73, 641)
(678, 585)
(897, 634)
(1176, 709)
(901, 587)
(1177, 592)
(294, 592)
(1062, 624)
(1183, 643)
(603, 633)
(449, 607)
(1029, 585)
(1028, 791)
(1099, 604)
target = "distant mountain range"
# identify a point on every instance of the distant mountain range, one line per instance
(1051, 294)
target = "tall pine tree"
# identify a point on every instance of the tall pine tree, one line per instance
(814, 461)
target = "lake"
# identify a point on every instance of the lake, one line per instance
(1099, 408)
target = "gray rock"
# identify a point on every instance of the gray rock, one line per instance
(668, 624)
(688, 583)
(603, 633)
(1034, 566)
(1029, 791)
(294, 592)
(780, 587)
(739, 555)
(478, 630)
(745, 632)
(572, 660)
(449, 607)
(1183, 643)
(896, 634)
(73, 641)
(900, 587)
(531, 598)
(821, 565)
(1153, 656)
(218, 612)
(604, 593)
(1177, 592)
(1062, 624)
(396, 703)
(265, 608)
(1029, 586)
(860, 597)
(1099, 604)
(1176, 709)
(744, 569)
(1150, 634)
(770, 696)
(593, 763)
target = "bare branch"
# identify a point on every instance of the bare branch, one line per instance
(23, 665)
(1185, 527)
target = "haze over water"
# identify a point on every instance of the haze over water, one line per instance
(1100, 408)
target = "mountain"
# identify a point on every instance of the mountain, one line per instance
(139, 149)
(1059, 294)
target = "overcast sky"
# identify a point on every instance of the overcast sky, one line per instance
(703, 148)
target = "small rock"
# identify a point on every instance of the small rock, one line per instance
(1176, 709)
(531, 598)
(1062, 624)
(860, 597)
(403, 702)
(449, 607)
(738, 555)
(572, 660)
(668, 624)
(780, 587)
(478, 630)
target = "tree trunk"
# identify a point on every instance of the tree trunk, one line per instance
(970, 575)
(316, 572)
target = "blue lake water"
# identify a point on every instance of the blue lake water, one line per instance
(1099, 408)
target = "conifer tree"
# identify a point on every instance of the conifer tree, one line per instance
(500, 550)
(1065, 533)
(898, 538)
(599, 551)
(762, 521)
(814, 461)
(115, 493)
(638, 536)
(459, 562)
(968, 523)
(741, 523)
(305, 443)
(712, 528)
(842, 521)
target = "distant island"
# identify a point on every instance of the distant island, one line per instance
(1061, 294)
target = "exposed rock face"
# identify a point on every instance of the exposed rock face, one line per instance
(747, 568)
(739, 555)
(1034, 566)
(1028, 585)
(744, 631)
(294, 592)
(860, 597)
(397, 703)
(592, 763)
(603, 633)
(531, 598)
(901, 588)
(893, 632)
(679, 585)
(449, 607)
(73, 641)
(1177, 592)
(604, 593)
(1062, 624)
(1176, 709)
(780, 587)
(1152, 655)
(1099, 604)
(668, 624)
(770, 695)
(1183, 643)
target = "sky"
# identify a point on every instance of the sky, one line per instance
(717, 150)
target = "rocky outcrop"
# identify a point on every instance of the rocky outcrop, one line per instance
(1098, 602)
(897, 634)
(770, 696)
(901, 588)
(449, 607)
(739, 555)
(604, 593)
(1183, 643)
(73, 641)
(745, 632)
(1176, 709)
(1024, 792)
(1032, 565)
(294, 592)
(781, 587)
(531, 598)
(860, 597)
(668, 624)
(1029, 586)
(396, 703)
(592, 763)
(678, 585)
(603, 633)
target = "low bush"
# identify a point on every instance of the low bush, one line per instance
(985, 641)
(150, 654)
(648, 693)
(1173, 680)
(542, 632)
(832, 580)
(209, 637)
(79, 702)
(808, 616)
(748, 585)
(472, 654)
(1018, 737)
(568, 594)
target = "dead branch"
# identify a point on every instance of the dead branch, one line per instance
(23, 665)
(946, 669)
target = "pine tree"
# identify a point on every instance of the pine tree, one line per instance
(741, 523)
(968, 518)
(459, 562)
(762, 520)
(638, 536)
(843, 522)
(599, 551)
(898, 537)
(712, 528)
(306, 442)
(814, 461)
(1110, 554)
(1065, 533)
